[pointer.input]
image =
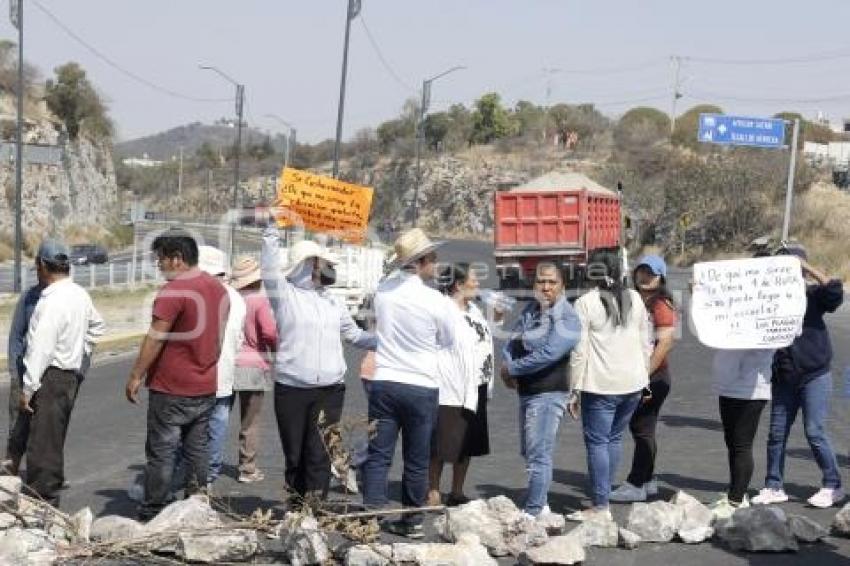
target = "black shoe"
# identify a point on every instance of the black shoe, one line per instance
(455, 500)
(404, 529)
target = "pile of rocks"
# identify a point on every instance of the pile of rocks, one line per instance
(475, 534)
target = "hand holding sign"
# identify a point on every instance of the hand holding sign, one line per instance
(748, 303)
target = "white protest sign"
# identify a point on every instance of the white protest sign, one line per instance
(748, 303)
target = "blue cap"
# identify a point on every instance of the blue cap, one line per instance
(53, 251)
(655, 264)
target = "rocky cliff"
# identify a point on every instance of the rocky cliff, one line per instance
(65, 183)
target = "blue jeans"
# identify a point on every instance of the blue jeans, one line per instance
(813, 399)
(219, 419)
(539, 417)
(604, 418)
(413, 410)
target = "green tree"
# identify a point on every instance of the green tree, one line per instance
(687, 125)
(641, 127)
(490, 120)
(582, 119)
(460, 132)
(207, 156)
(530, 119)
(74, 100)
(435, 128)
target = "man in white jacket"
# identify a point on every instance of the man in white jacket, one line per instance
(60, 341)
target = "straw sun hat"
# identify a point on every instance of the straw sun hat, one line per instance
(246, 271)
(411, 246)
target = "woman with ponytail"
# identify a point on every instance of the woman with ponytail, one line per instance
(609, 374)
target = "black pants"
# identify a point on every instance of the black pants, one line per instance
(48, 426)
(643, 424)
(740, 418)
(297, 410)
(175, 423)
(19, 422)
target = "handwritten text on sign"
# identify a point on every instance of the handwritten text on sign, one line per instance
(749, 303)
(323, 204)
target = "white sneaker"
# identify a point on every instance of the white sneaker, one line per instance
(628, 493)
(769, 496)
(592, 514)
(651, 487)
(826, 497)
(724, 509)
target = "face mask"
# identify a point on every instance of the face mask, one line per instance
(327, 275)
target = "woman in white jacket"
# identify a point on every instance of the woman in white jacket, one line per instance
(466, 381)
(609, 370)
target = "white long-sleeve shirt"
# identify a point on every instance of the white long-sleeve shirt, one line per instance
(234, 336)
(413, 323)
(310, 323)
(609, 359)
(62, 332)
(468, 364)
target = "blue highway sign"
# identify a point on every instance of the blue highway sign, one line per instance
(741, 130)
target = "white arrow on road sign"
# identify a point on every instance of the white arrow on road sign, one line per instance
(722, 129)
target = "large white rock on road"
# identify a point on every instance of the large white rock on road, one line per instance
(658, 521)
(219, 546)
(565, 549)
(761, 528)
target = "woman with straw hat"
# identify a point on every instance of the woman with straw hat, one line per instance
(309, 363)
(253, 370)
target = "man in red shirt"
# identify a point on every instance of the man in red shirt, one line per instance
(177, 361)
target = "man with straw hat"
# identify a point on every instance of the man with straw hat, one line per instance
(253, 371)
(413, 322)
(309, 364)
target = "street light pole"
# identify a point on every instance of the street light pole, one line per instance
(290, 140)
(420, 118)
(17, 16)
(351, 13)
(240, 106)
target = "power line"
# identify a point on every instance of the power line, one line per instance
(383, 59)
(735, 98)
(126, 72)
(810, 58)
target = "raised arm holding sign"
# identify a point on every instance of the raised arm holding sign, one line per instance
(748, 303)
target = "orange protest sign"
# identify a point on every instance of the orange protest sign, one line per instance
(323, 204)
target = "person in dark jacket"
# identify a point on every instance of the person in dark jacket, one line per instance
(535, 362)
(802, 380)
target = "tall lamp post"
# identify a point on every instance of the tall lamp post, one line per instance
(240, 104)
(420, 118)
(352, 12)
(290, 140)
(16, 15)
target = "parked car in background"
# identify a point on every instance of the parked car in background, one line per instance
(84, 254)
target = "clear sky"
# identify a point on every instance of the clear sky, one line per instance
(749, 56)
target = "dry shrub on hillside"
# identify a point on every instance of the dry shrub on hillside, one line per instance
(821, 223)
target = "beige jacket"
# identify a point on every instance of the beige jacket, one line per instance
(610, 360)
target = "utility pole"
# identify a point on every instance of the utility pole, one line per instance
(351, 13)
(240, 106)
(677, 69)
(288, 142)
(420, 118)
(180, 174)
(209, 183)
(16, 14)
(789, 195)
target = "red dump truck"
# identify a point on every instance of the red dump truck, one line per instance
(561, 217)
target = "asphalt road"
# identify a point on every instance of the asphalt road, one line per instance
(105, 450)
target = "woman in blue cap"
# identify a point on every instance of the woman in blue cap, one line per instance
(650, 277)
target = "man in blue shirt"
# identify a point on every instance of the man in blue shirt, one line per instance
(535, 362)
(19, 422)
